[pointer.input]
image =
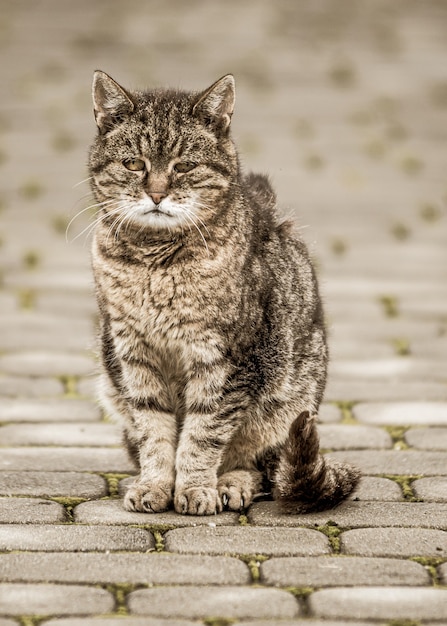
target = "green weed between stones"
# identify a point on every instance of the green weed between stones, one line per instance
(31, 259)
(390, 305)
(26, 299)
(405, 484)
(332, 532)
(69, 504)
(32, 620)
(346, 411)
(397, 434)
(113, 481)
(302, 594)
(218, 621)
(243, 520)
(120, 591)
(431, 564)
(254, 563)
(403, 622)
(401, 346)
(70, 384)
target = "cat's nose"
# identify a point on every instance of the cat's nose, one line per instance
(157, 196)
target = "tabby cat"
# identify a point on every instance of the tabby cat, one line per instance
(212, 333)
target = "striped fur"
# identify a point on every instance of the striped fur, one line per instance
(213, 344)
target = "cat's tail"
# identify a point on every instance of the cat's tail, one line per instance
(305, 480)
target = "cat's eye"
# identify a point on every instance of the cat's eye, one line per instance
(184, 166)
(134, 165)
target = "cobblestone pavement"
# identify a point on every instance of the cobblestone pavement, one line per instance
(344, 102)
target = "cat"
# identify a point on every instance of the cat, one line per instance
(212, 335)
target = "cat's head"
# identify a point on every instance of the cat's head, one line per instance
(162, 159)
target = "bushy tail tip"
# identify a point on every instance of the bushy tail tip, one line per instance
(306, 481)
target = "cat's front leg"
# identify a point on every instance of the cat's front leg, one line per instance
(153, 445)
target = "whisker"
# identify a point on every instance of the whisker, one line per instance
(81, 182)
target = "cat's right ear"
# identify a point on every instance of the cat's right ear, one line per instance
(111, 103)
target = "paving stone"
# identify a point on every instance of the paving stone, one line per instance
(442, 569)
(229, 602)
(88, 387)
(51, 484)
(48, 410)
(74, 459)
(402, 413)
(392, 542)
(351, 571)
(357, 515)
(51, 336)
(434, 489)
(127, 621)
(69, 538)
(60, 434)
(20, 599)
(372, 391)
(7, 622)
(398, 462)
(113, 512)
(42, 363)
(411, 603)
(347, 436)
(246, 540)
(329, 413)
(153, 568)
(395, 368)
(30, 387)
(30, 511)
(427, 438)
(379, 489)
(303, 622)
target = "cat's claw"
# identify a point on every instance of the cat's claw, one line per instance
(197, 501)
(225, 500)
(147, 499)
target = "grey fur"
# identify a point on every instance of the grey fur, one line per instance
(213, 342)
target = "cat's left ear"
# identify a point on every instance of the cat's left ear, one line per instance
(215, 105)
(111, 103)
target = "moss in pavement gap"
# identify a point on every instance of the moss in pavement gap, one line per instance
(346, 411)
(32, 620)
(31, 259)
(120, 591)
(113, 481)
(332, 532)
(70, 384)
(431, 564)
(218, 621)
(254, 562)
(405, 483)
(243, 520)
(69, 504)
(397, 434)
(403, 622)
(302, 594)
(401, 346)
(390, 305)
(26, 299)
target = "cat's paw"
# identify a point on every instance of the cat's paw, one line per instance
(197, 501)
(145, 498)
(237, 488)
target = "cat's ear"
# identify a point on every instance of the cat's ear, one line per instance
(215, 105)
(111, 103)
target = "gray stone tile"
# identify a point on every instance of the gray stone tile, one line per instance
(151, 569)
(402, 413)
(44, 599)
(74, 459)
(431, 489)
(398, 462)
(387, 603)
(113, 512)
(51, 484)
(303, 622)
(44, 363)
(247, 540)
(393, 542)
(443, 573)
(352, 571)
(127, 621)
(378, 489)
(352, 437)
(30, 387)
(48, 410)
(372, 391)
(30, 511)
(357, 515)
(228, 602)
(69, 538)
(61, 434)
(329, 414)
(427, 438)
(7, 622)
